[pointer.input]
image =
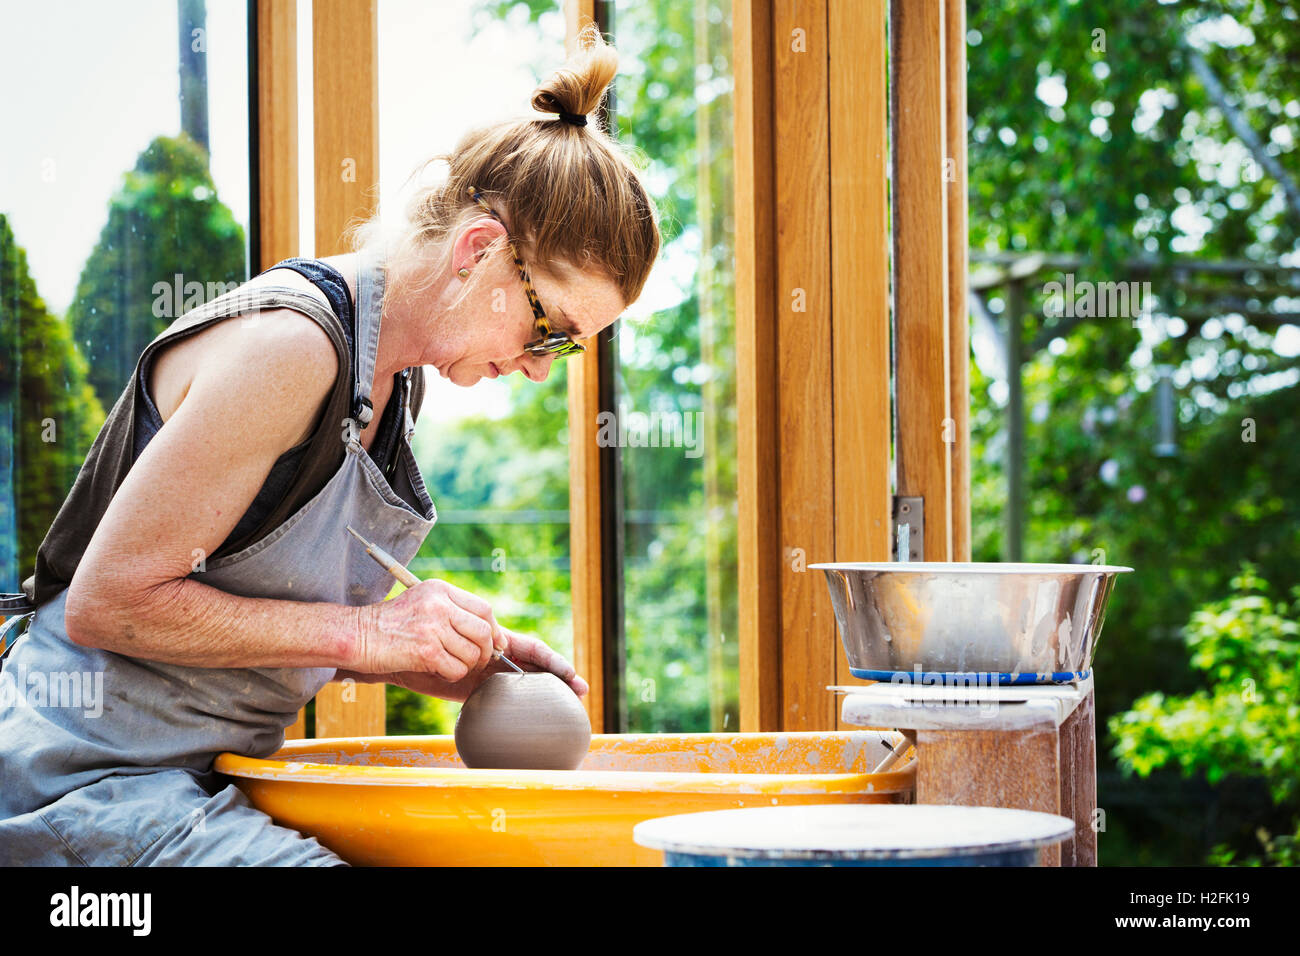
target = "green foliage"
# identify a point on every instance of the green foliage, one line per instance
(1101, 173)
(60, 375)
(1182, 523)
(1247, 722)
(1283, 850)
(409, 712)
(674, 103)
(165, 220)
(510, 466)
(54, 414)
(1136, 161)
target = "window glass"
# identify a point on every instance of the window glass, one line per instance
(676, 379)
(124, 202)
(494, 456)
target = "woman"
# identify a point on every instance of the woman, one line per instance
(201, 563)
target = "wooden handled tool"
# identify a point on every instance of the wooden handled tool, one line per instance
(896, 754)
(403, 574)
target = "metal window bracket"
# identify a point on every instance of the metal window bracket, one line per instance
(908, 530)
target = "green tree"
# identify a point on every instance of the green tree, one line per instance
(50, 413)
(515, 468)
(1094, 133)
(165, 221)
(1247, 722)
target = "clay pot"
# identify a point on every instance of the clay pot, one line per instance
(528, 721)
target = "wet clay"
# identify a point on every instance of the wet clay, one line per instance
(523, 722)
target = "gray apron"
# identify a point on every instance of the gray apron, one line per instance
(107, 759)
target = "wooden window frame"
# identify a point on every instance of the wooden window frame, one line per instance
(814, 118)
(812, 130)
(345, 101)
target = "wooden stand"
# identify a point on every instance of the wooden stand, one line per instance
(1024, 747)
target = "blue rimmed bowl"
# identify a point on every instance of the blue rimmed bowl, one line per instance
(948, 622)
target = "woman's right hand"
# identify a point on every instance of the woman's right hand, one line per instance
(433, 627)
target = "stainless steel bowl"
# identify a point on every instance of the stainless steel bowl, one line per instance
(996, 623)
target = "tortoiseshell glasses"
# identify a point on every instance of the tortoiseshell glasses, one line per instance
(551, 342)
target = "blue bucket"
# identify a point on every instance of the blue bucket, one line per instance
(855, 835)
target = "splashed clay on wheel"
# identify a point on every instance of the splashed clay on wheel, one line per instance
(528, 721)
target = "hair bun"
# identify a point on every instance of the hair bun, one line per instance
(577, 88)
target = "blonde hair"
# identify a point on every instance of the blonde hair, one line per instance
(569, 194)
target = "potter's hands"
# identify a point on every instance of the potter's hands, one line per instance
(434, 629)
(529, 653)
(533, 655)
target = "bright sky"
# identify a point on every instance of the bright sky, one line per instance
(89, 84)
(93, 81)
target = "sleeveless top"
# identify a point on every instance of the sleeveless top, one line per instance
(312, 464)
(148, 420)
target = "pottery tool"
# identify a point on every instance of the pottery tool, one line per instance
(903, 749)
(400, 571)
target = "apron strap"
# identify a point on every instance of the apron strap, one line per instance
(370, 306)
(243, 301)
(13, 627)
(408, 419)
(370, 303)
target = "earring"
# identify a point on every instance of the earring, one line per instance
(463, 273)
